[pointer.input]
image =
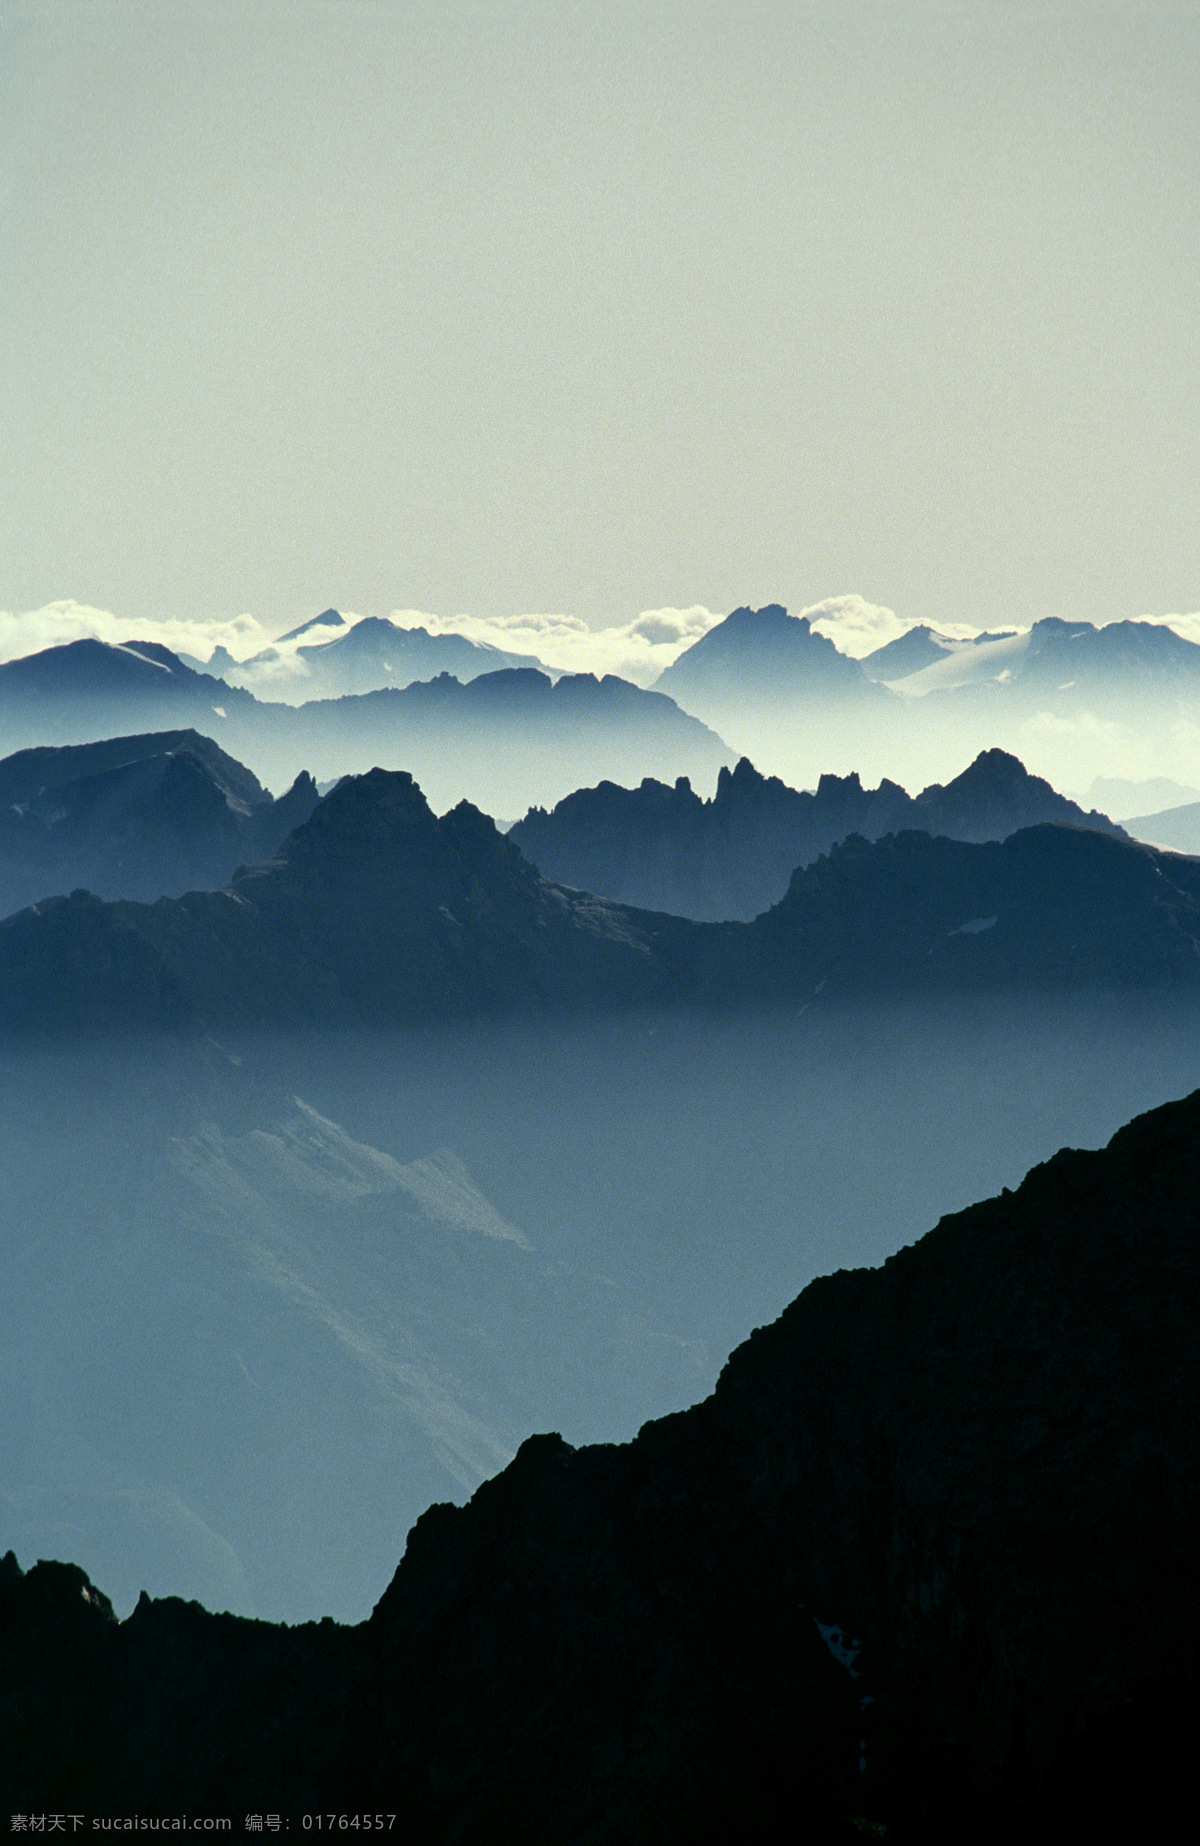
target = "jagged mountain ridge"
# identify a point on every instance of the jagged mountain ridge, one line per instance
(664, 848)
(376, 910)
(135, 817)
(923, 1562)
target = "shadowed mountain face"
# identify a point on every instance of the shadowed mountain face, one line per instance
(135, 817)
(377, 911)
(924, 1560)
(55, 693)
(731, 857)
(508, 738)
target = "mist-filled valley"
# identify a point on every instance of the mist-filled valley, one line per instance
(281, 1292)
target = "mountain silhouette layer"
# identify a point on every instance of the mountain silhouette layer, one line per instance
(510, 737)
(664, 848)
(139, 817)
(923, 1562)
(376, 911)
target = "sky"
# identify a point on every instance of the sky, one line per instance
(574, 312)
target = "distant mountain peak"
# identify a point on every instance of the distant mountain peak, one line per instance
(771, 615)
(328, 618)
(764, 656)
(909, 653)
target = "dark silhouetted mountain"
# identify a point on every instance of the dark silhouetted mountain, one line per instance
(377, 911)
(731, 857)
(137, 817)
(1050, 909)
(996, 796)
(509, 738)
(924, 1562)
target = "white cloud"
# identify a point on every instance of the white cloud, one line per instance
(857, 627)
(1186, 625)
(637, 650)
(58, 623)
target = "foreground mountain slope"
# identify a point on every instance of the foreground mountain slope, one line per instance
(376, 911)
(732, 856)
(923, 1561)
(135, 817)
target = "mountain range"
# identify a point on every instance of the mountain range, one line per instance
(137, 817)
(509, 738)
(1062, 695)
(665, 848)
(360, 657)
(922, 1566)
(1129, 663)
(376, 910)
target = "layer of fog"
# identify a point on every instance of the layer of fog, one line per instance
(275, 1297)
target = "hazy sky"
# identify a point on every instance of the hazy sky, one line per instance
(599, 308)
